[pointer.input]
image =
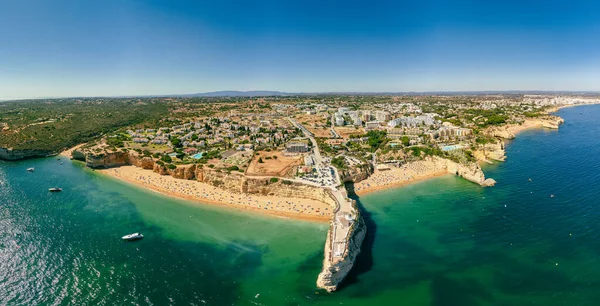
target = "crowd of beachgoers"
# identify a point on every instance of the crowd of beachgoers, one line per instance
(205, 193)
(397, 176)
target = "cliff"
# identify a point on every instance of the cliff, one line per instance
(491, 151)
(335, 269)
(471, 171)
(286, 190)
(356, 174)
(510, 130)
(231, 181)
(11, 154)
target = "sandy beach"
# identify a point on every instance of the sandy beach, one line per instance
(68, 152)
(398, 176)
(294, 208)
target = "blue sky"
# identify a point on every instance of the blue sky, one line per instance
(112, 47)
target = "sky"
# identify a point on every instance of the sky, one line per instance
(59, 48)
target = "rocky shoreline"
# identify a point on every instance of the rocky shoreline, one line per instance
(14, 155)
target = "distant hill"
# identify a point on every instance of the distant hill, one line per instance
(267, 93)
(233, 93)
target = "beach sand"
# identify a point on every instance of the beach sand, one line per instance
(398, 176)
(67, 153)
(294, 208)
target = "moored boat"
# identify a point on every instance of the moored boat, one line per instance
(55, 189)
(31, 169)
(131, 237)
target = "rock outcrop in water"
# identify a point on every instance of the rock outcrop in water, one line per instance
(335, 269)
(469, 171)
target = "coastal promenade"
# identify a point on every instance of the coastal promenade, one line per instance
(343, 218)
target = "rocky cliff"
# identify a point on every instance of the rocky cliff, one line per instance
(334, 271)
(287, 190)
(510, 130)
(10, 154)
(356, 174)
(471, 171)
(106, 160)
(231, 181)
(491, 151)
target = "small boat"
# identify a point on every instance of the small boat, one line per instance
(31, 169)
(131, 237)
(55, 189)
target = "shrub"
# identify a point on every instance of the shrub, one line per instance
(260, 160)
(171, 166)
(274, 180)
(233, 168)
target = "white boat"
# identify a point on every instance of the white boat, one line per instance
(55, 189)
(134, 236)
(31, 169)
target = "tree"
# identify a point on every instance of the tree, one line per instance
(176, 142)
(166, 158)
(260, 160)
(405, 141)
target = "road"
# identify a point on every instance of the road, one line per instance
(345, 213)
(309, 135)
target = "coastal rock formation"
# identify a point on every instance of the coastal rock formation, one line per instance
(160, 169)
(186, 172)
(471, 171)
(334, 271)
(510, 130)
(106, 160)
(501, 132)
(10, 154)
(78, 155)
(356, 174)
(491, 151)
(286, 190)
(553, 122)
(142, 162)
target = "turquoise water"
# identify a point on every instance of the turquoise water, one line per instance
(438, 242)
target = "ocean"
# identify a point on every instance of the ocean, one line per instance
(533, 239)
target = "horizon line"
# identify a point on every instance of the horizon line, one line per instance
(240, 93)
